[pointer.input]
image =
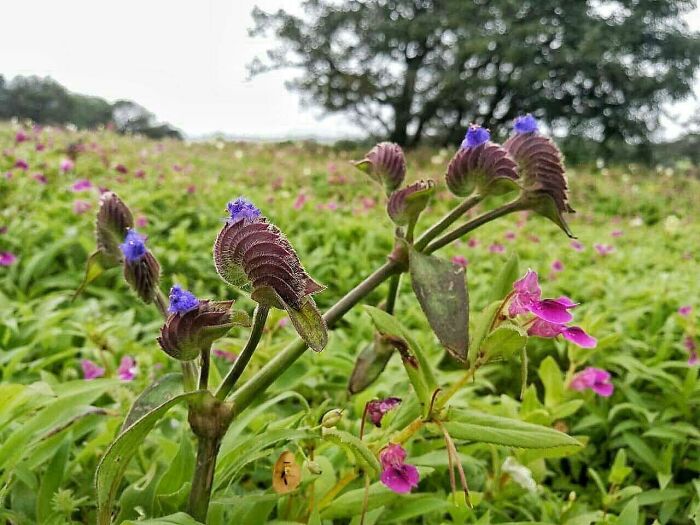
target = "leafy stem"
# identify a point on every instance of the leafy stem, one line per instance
(256, 331)
(444, 223)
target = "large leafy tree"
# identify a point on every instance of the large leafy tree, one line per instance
(409, 69)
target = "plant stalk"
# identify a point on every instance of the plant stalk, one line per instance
(444, 223)
(472, 225)
(203, 479)
(256, 331)
(393, 293)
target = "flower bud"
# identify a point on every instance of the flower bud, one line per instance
(141, 269)
(386, 164)
(114, 219)
(331, 418)
(314, 467)
(542, 176)
(406, 204)
(185, 334)
(486, 168)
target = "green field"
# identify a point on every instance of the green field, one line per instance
(640, 461)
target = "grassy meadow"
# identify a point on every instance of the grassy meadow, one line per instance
(637, 263)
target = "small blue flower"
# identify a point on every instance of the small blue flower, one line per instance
(476, 135)
(525, 124)
(133, 246)
(181, 301)
(242, 208)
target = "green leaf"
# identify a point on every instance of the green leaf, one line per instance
(174, 519)
(352, 444)
(553, 380)
(620, 470)
(160, 391)
(52, 478)
(93, 269)
(416, 507)
(440, 287)
(370, 363)
(506, 277)
(504, 341)
(630, 514)
(309, 324)
(115, 461)
(486, 428)
(482, 329)
(415, 363)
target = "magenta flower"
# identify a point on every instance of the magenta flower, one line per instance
(473, 243)
(596, 379)
(121, 169)
(141, 221)
(127, 368)
(693, 358)
(526, 299)
(497, 247)
(21, 136)
(685, 310)
(140, 174)
(460, 260)
(378, 407)
(557, 266)
(66, 165)
(81, 185)
(22, 164)
(40, 178)
(575, 334)
(225, 355)
(40, 146)
(7, 258)
(91, 370)
(80, 207)
(396, 474)
(191, 189)
(300, 201)
(604, 249)
(616, 233)
(576, 245)
(509, 236)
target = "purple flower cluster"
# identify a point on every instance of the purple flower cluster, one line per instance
(550, 315)
(133, 246)
(595, 379)
(181, 300)
(396, 474)
(476, 135)
(378, 407)
(525, 124)
(243, 209)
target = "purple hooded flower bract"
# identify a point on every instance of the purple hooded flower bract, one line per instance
(525, 124)
(595, 379)
(91, 370)
(378, 407)
(181, 300)
(127, 368)
(242, 209)
(396, 474)
(133, 246)
(476, 135)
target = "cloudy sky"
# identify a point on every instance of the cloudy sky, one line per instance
(184, 61)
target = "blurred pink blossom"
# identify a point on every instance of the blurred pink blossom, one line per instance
(22, 164)
(300, 201)
(81, 185)
(80, 206)
(557, 266)
(604, 249)
(497, 248)
(7, 258)
(91, 370)
(66, 165)
(596, 379)
(141, 221)
(685, 310)
(225, 355)
(460, 260)
(40, 178)
(127, 369)
(576, 245)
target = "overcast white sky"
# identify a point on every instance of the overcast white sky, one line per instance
(183, 60)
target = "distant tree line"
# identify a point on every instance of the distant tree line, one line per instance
(45, 101)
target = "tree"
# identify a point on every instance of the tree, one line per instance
(410, 69)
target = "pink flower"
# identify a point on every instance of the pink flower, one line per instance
(121, 169)
(596, 379)
(473, 243)
(91, 370)
(300, 201)
(526, 298)
(80, 207)
(332, 206)
(368, 203)
(575, 334)
(22, 164)
(40, 146)
(21, 136)
(225, 355)
(66, 165)
(40, 178)
(576, 245)
(177, 168)
(557, 266)
(604, 249)
(141, 221)
(616, 233)
(81, 185)
(510, 236)
(3, 230)
(191, 189)
(127, 369)
(396, 474)
(282, 323)
(685, 310)
(693, 358)
(7, 258)
(139, 174)
(496, 248)
(460, 260)
(378, 407)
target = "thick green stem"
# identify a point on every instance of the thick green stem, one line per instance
(472, 225)
(257, 384)
(393, 293)
(256, 332)
(203, 479)
(447, 221)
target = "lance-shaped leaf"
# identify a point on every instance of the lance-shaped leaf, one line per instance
(115, 461)
(487, 169)
(508, 274)
(161, 390)
(352, 444)
(542, 175)
(440, 287)
(386, 164)
(406, 204)
(370, 363)
(415, 363)
(482, 328)
(504, 341)
(481, 427)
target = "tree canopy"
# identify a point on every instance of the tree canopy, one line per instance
(411, 69)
